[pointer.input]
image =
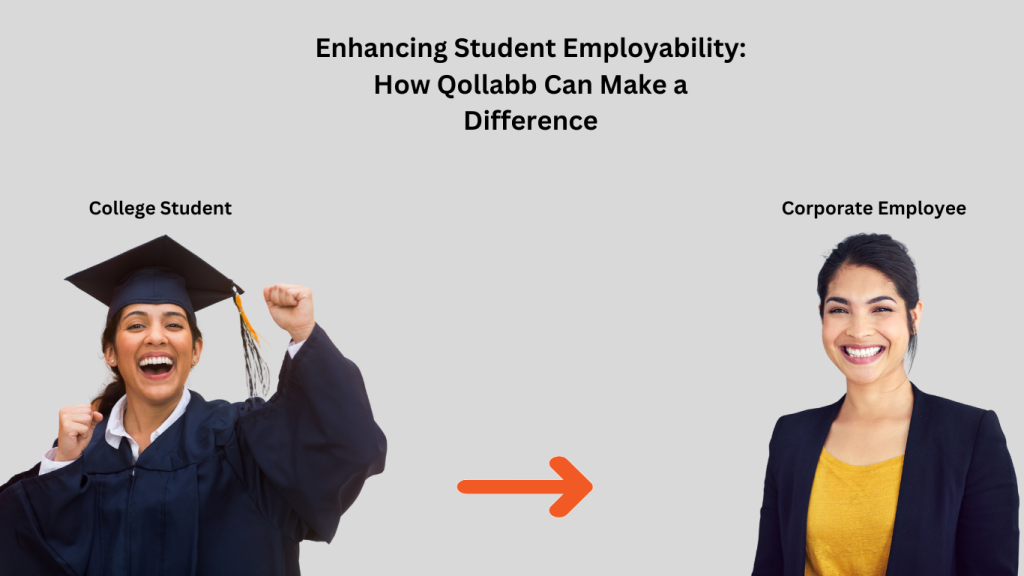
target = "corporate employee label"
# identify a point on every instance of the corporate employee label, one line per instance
(882, 208)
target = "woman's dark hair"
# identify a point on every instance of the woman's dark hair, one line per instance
(879, 252)
(104, 403)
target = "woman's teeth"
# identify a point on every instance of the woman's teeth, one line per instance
(863, 352)
(156, 365)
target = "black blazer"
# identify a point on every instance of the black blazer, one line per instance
(958, 504)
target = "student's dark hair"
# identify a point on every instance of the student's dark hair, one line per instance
(113, 392)
(879, 252)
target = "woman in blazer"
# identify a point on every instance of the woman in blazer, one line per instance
(888, 480)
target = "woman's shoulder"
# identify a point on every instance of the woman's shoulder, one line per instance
(217, 416)
(938, 404)
(937, 414)
(948, 419)
(927, 404)
(798, 422)
(801, 431)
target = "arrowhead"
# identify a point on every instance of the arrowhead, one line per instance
(576, 487)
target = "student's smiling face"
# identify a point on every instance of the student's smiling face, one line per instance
(154, 352)
(864, 325)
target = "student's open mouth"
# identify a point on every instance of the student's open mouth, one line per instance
(156, 366)
(862, 354)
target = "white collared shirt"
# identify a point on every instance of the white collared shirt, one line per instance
(115, 426)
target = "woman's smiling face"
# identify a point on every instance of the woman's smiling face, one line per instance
(154, 352)
(864, 325)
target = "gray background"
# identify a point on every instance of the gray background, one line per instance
(631, 298)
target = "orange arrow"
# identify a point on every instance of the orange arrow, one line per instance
(573, 487)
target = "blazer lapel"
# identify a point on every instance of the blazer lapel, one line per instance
(906, 531)
(807, 466)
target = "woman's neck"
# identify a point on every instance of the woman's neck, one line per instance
(888, 397)
(142, 418)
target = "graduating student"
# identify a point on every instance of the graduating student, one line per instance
(154, 479)
(889, 480)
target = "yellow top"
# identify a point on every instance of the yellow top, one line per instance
(850, 517)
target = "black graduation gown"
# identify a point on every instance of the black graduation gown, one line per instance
(227, 489)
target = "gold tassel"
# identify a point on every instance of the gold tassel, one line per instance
(245, 319)
(256, 371)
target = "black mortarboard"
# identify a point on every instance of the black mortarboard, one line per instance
(157, 272)
(162, 271)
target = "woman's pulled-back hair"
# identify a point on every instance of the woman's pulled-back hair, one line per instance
(879, 252)
(104, 403)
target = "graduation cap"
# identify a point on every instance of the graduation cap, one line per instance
(162, 271)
